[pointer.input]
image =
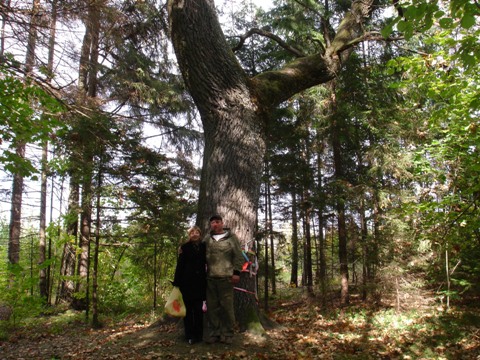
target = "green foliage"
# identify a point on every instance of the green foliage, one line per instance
(126, 295)
(16, 286)
(457, 18)
(126, 273)
(19, 282)
(444, 83)
(58, 322)
(28, 114)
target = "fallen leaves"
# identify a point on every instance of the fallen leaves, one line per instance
(305, 332)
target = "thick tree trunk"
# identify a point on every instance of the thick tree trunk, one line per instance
(232, 123)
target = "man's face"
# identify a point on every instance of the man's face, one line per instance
(216, 226)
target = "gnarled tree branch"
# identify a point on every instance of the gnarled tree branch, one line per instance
(270, 35)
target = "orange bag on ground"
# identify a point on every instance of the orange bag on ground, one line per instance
(175, 305)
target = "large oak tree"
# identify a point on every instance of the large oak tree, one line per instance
(235, 107)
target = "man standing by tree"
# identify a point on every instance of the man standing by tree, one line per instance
(224, 263)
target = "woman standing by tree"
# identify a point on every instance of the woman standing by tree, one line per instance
(190, 277)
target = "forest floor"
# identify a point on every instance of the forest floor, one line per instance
(303, 330)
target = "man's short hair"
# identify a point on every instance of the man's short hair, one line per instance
(215, 217)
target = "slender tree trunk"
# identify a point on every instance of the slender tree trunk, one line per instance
(332, 249)
(50, 268)
(322, 272)
(352, 250)
(88, 90)
(17, 187)
(269, 227)
(364, 237)
(308, 247)
(373, 252)
(52, 38)
(80, 302)
(322, 266)
(51, 53)
(43, 221)
(95, 314)
(43, 278)
(32, 38)
(154, 276)
(2, 31)
(342, 252)
(94, 51)
(68, 263)
(266, 262)
(294, 273)
(16, 213)
(304, 243)
(340, 207)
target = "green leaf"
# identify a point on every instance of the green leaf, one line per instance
(468, 20)
(468, 60)
(386, 31)
(402, 25)
(446, 23)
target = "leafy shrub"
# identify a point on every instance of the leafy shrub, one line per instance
(119, 297)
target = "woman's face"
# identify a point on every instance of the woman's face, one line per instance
(195, 235)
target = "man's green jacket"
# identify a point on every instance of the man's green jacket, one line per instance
(224, 256)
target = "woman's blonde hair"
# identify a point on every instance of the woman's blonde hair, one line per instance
(189, 233)
(192, 229)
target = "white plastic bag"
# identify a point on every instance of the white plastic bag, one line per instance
(175, 305)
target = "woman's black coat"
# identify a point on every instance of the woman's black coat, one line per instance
(191, 274)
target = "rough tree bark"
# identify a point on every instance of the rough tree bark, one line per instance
(234, 108)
